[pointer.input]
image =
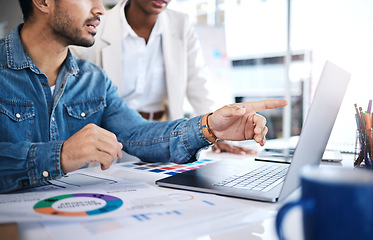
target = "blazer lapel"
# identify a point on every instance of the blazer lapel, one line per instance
(112, 33)
(173, 54)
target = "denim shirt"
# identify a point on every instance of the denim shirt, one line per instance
(34, 123)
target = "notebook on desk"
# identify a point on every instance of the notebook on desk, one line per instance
(236, 177)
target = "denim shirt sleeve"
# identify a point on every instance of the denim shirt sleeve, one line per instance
(170, 141)
(179, 142)
(20, 168)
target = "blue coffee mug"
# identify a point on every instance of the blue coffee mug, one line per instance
(337, 203)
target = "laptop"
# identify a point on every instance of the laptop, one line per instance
(234, 177)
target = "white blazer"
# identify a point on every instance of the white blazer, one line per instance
(185, 70)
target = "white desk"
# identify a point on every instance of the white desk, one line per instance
(264, 230)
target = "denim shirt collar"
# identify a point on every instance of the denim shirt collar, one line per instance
(17, 57)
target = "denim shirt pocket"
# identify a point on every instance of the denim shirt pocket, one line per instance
(79, 114)
(16, 118)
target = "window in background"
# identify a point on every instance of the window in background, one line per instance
(336, 30)
(256, 33)
(255, 50)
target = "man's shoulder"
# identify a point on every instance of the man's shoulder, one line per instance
(87, 66)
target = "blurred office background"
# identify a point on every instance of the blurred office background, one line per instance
(265, 49)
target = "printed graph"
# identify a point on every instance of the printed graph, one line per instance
(78, 204)
(165, 168)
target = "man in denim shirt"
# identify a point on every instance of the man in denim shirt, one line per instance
(59, 113)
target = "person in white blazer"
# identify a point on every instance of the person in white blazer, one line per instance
(185, 73)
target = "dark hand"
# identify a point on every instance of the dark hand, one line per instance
(223, 146)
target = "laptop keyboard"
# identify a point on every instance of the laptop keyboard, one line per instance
(263, 178)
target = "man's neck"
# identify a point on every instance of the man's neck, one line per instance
(46, 53)
(141, 22)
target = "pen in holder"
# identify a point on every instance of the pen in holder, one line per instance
(364, 140)
(363, 149)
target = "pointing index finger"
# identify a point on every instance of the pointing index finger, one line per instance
(268, 104)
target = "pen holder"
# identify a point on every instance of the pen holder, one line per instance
(363, 149)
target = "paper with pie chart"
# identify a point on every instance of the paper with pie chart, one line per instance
(84, 203)
(78, 204)
(99, 198)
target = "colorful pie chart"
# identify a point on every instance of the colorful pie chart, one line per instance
(78, 204)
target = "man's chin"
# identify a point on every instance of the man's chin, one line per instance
(84, 43)
(89, 45)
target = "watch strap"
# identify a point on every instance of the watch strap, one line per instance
(207, 133)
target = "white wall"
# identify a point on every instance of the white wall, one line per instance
(341, 31)
(255, 27)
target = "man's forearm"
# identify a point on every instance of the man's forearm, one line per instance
(28, 164)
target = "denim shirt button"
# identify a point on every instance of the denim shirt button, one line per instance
(45, 174)
(52, 119)
(82, 114)
(18, 115)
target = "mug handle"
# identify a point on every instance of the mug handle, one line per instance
(284, 210)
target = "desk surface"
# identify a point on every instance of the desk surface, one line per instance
(263, 229)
